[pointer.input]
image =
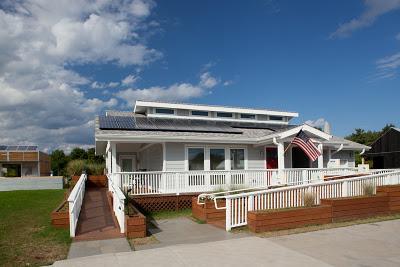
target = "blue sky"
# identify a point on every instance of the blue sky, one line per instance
(328, 60)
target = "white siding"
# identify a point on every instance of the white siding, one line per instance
(175, 156)
(256, 157)
(347, 158)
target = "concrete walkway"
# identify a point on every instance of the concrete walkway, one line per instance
(185, 231)
(375, 244)
(97, 247)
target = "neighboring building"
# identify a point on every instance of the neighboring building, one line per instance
(23, 161)
(174, 137)
(385, 151)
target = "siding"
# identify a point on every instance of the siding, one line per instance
(37, 183)
(347, 158)
(175, 156)
(255, 158)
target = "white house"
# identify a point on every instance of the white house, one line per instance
(210, 145)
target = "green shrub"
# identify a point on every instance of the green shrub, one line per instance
(95, 168)
(76, 167)
(309, 199)
(369, 189)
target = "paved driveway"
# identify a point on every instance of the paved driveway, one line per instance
(376, 244)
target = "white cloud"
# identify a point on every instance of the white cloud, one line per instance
(129, 80)
(208, 81)
(175, 92)
(388, 66)
(318, 123)
(373, 9)
(398, 36)
(228, 83)
(42, 98)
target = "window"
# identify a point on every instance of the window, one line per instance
(276, 118)
(217, 159)
(200, 113)
(248, 116)
(196, 159)
(237, 159)
(224, 115)
(165, 111)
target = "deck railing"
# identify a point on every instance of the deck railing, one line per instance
(118, 202)
(159, 182)
(75, 201)
(237, 205)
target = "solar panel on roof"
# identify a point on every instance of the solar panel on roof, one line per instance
(11, 148)
(3, 147)
(160, 124)
(22, 148)
(32, 148)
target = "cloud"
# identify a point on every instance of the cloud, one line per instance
(373, 10)
(398, 36)
(129, 80)
(43, 99)
(318, 123)
(388, 66)
(228, 83)
(175, 92)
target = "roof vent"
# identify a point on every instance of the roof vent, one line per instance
(327, 127)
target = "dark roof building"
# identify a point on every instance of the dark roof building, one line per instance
(385, 151)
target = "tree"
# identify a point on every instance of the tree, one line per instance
(78, 153)
(92, 158)
(59, 162)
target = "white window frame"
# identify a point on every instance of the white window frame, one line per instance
(207, 148)
(132, 157)
(209, 157)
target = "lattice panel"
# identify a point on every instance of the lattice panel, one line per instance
(163, 202)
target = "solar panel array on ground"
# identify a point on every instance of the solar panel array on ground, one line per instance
(18, 148)
(159, 124)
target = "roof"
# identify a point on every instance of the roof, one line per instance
(142, 103)
(226, 132)
(18, 148)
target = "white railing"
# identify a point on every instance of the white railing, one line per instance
(118, 202)
(146, 183)
(307, 175)
(75, 201)
(237, 205)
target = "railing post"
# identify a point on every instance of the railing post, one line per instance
(228, 179)
(304, 176)
(274, 178)
(228, 214)
(177, 183)
(250, 202)
(345, 192)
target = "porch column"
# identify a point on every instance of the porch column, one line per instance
(113, 157)
(321, 158)
(281, 161)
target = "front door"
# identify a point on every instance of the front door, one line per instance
(127, 163)
(271, 157)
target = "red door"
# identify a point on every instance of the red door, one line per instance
(271, 157)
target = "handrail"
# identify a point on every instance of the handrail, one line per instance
(75, 201)
(300, 186)
(118, 202)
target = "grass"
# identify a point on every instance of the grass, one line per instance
(26, 234)
(313, 228)
(161, 215)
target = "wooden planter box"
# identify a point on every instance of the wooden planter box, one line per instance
(60, 216)
(261, 221)
(208, 212)
(351, 208)
(97, 181)
(393, 193)
(135, 224)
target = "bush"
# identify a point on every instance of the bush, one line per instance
(95, 168)
(76, 167)
(309, 199)
(369, 189)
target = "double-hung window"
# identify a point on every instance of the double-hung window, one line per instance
(196, 159)
(237, 159)
(217, 159)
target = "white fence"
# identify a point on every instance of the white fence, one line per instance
(118, 202)
(237, 205)
(150, 183)
(75, 201)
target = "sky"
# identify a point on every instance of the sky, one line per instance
(64, 62)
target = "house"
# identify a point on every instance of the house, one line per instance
(385, 151)
(23, 161)
(176, 139)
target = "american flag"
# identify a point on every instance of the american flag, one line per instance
(305, 143)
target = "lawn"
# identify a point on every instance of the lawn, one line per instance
(161, 215)
(26, 234)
